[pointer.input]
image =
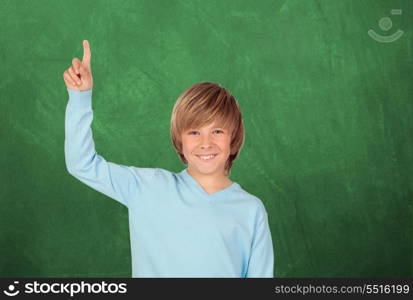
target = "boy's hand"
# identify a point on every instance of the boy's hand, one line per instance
(79, 76)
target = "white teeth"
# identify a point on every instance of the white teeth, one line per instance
(206, 157)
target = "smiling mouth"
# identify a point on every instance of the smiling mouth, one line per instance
(207, 157)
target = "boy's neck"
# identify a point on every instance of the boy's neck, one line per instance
(213, 182)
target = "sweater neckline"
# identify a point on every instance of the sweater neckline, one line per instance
(188, 178)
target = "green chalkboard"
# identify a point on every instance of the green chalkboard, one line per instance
(328, 112)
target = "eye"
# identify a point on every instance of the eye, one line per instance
(219, 131)
(192, 132)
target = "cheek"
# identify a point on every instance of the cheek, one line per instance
(187, 145)
(224, 146)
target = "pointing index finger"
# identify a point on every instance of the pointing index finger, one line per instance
(86, 53)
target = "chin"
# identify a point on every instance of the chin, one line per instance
(206, 170)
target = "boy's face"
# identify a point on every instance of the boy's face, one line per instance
(198, 144)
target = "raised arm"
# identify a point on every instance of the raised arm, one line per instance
(82, 161)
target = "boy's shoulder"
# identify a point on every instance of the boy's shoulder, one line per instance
(151, 172)
(153, 175)
(253, 200)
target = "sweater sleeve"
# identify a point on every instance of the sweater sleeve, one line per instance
(82, 161)
(261, 262)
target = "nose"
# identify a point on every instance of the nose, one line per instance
(205, 141)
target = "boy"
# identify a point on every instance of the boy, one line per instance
(196, 223)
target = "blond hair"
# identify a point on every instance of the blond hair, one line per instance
(200, 105)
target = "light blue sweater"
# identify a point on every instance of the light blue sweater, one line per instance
(176, 228)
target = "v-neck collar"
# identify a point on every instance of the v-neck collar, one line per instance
(188, 178)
